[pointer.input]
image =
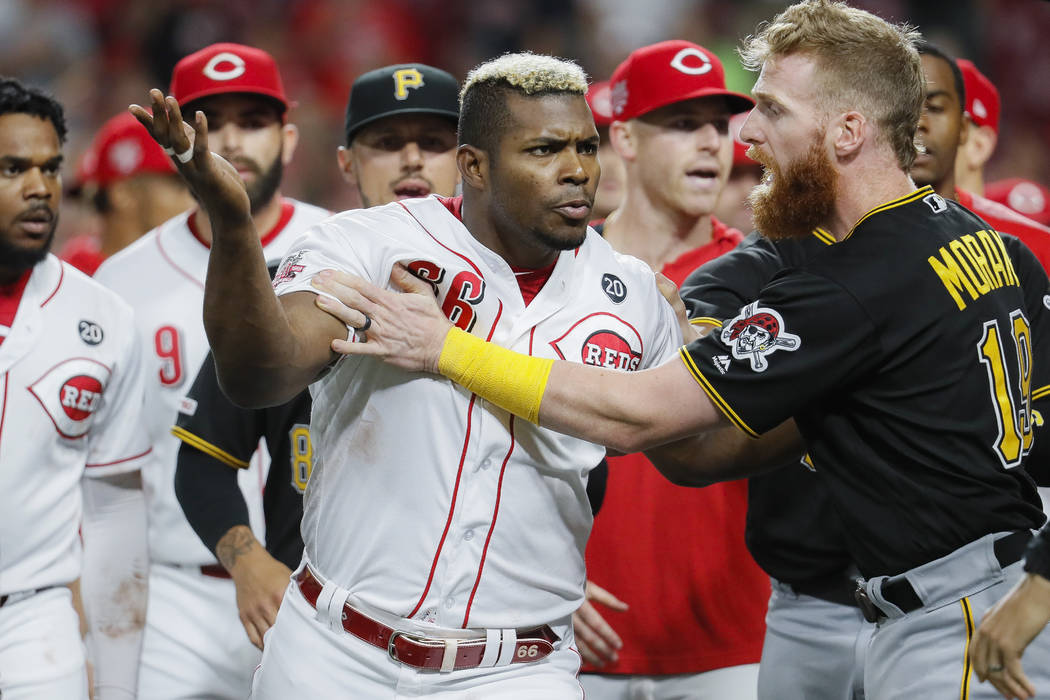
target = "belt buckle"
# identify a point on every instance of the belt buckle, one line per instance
(391, 650)
(867, 607)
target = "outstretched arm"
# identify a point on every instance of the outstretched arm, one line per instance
(625, 411)
(266, 349)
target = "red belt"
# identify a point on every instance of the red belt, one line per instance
(215, 571)
(428, 653)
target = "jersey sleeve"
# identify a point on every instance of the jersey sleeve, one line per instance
(214, 425)
(798, 342)
(119, 441)
(331, 245)
(720, 287)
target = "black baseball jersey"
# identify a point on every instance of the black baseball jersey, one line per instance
(793, 531)
(904, 353)
(229, 435)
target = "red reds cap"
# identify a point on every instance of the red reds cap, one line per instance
(672, 71)
(1023, 196)
(599, 102)
(982, 99)
(122, 148)
(225, 68)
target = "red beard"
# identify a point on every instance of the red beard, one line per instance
(791, 203)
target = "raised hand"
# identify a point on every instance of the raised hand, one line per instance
(214, 181)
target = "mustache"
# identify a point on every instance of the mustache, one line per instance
(35, 210)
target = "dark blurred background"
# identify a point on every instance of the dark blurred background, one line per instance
(98, 56)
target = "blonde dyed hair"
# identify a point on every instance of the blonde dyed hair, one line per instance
(529, 73)
(862, 62)
(483, 112)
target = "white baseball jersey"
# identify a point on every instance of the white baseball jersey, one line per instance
(162, 276)
(71, 392)
(425, 501)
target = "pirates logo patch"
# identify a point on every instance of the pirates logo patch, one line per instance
(756, 333)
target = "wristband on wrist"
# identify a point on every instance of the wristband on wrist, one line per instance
(512, 381)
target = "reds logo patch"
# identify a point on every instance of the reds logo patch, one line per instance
(602, 340)
(71, 393)
(756, 333)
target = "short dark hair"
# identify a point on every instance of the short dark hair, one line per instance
(926, 48)
(16, 98)
(483, 115)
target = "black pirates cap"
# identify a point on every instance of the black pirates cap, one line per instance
(406, 88)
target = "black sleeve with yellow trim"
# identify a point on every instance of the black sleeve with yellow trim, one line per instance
(718, 288)
(799, 342)
(1036, 288)
(213, 424)
(218, 438)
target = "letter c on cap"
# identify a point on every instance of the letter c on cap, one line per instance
(678, 62)
(235, 70)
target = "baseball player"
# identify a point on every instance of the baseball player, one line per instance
(399, 118)
(444, 539)
(982, 128)
(1013, 623)
(131, 184)
(942, 130)
(194, 644)
(812, 573)
(71, 387)
(902, 384)
(401, 134)
(698, 633)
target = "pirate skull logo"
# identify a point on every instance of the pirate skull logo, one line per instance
(756, 333)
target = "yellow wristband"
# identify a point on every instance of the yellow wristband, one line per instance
(510, 380)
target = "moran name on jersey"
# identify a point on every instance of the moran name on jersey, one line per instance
(977, 263)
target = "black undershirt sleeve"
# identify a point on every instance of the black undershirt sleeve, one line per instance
(209, 495)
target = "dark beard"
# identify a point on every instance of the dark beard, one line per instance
(791, 203)
(18, 259)
(261, 192)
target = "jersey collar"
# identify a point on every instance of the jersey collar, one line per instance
(893, 203)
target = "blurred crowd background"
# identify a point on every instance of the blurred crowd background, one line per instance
(97, 56)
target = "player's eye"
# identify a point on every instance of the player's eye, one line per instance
(544, 150)
(588, 148)
(10, 170)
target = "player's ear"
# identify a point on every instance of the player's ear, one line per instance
(622, 138)
(345, 160)
(849, 133)
(473, 164)
(289, 141)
